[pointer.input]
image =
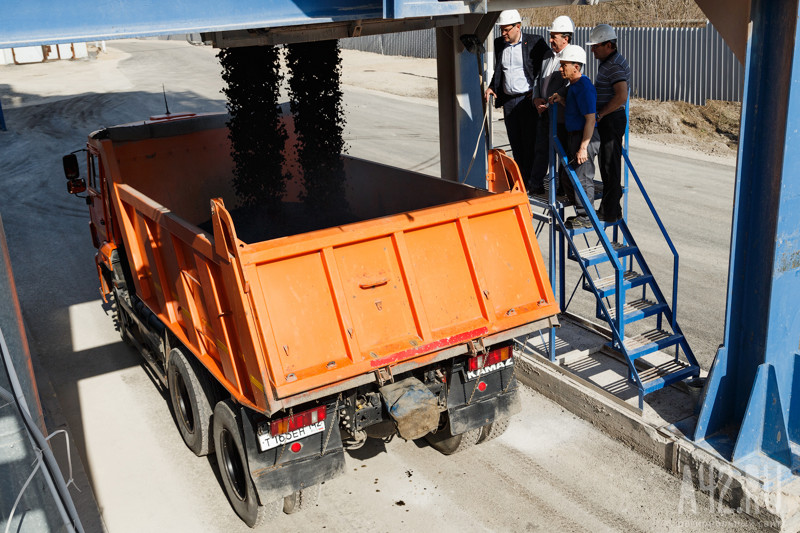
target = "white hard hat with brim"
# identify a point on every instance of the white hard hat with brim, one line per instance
(573, 54)
(509, 16)
(600, 34)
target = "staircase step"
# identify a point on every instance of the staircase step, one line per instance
(636, 310)
(606, 286)
(649, 342)
(597, 254)
(666, 374)
(581, 231)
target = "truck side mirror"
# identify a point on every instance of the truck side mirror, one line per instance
(71, 169)
(75, 184)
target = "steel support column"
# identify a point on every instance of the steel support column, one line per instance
(751, 408)
(461, 108)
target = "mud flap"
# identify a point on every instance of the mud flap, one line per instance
(414, 408)
(279, 472)
(478, 414)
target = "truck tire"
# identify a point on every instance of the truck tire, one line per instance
(189, 397)
(301, 499)
(121, 317)
(494, 430)
(448, 444)
(233, 469)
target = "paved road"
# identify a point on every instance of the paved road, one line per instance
(549, 472)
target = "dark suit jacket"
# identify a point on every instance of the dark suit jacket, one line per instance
(533, 50)
(557, 82)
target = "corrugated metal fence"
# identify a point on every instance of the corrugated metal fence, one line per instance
(684, 64)
(419, 43)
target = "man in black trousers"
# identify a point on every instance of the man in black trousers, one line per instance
(518, 59)
(611, 83)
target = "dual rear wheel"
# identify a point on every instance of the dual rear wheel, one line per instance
(203, 433)
(445, 442)
(189, 394)
(235, 473)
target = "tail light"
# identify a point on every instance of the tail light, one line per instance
(300, 420)
(493, 357)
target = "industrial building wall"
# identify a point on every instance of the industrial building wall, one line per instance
(684, 64)
(20, 470)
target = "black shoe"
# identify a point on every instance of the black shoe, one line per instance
(578, 222)
(609, 219)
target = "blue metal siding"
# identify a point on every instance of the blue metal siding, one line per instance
(33, 22)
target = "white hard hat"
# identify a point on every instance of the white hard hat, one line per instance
(562, 24)
(574, 54)
(509, 16)
(600, 34)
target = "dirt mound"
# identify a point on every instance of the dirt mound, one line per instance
(712, 128)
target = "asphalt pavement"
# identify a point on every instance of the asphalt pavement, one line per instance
(549, 472)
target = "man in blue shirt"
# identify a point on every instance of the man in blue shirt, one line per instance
(518, 59)
(582, 137)
(611, 82)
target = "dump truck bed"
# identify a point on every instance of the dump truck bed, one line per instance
(427, 266)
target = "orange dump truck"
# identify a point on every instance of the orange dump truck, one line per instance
(281, 351)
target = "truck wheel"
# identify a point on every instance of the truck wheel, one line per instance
(301, 499)
(447, 443)
(494, 430)
(189, 398)
(121, 318)
(232, 461)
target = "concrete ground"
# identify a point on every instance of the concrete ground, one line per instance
(550, 472)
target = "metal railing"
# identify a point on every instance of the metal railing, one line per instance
(618, 324)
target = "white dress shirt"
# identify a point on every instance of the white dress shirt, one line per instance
(514, 80)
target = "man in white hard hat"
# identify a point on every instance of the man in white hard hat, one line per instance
(611, 82)
(582, 137)
(518, 58)
(548, 83)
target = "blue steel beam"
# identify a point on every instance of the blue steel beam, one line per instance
(751, 408)
(35, 22)
(32, 22)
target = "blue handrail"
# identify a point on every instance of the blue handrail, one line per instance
(663, 232)
(619, 272)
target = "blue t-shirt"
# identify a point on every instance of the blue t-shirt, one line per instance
(581, 100)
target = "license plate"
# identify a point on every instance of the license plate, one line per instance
(267, 441)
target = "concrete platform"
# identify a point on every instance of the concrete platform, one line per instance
(591, 381)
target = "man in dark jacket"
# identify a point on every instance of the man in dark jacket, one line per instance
(549, 82)
(518, 59)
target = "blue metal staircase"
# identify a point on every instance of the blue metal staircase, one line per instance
(615, 266)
